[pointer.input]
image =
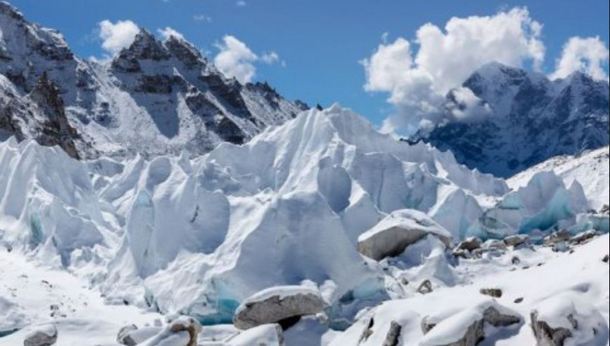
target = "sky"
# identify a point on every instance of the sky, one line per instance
(374, 56)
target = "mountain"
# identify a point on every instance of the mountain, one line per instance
(154, 97)
(519, 119)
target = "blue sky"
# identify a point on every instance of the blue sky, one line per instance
(321, 42)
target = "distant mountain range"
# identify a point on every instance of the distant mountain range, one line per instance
(527, 119)
(154, 97)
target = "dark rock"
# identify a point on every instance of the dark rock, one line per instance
(44, 336)
(275, 307)
(187, 324)
(516, 240)
(425, 287)
(557, 237)
(492, 292)
(518, 300)
(426, 325)
(515, 260)
(605, 259)
(393, 335)
(546, 335)
(124, 337)
(469, 244)
(583, 237)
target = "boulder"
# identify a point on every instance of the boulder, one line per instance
(545, 334)
(492, 292)
(42, 336)
(393, 336)
(562, 235)
(189, 325)
(402, 228)
(583, 237)
(516, 240)
(278, 304)
(425, 287)
(469, 244)
(124, 336)
(441, 331)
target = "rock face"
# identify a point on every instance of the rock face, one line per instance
(522, 107)
(44, 336)
(154, 97)
(393, 336)
(546, 335)
(392, 235)
(277, 304)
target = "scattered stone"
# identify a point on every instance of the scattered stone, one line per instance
(124, 336)
(187, 324)
(545, 335)
(492, 292)
(518, 300)
(425, 287)
(393, 335)
(43, 336)
(583, 237)
(561, 246)
(276, 304)
(426, 325)
(516, 240)
(515, 260)
(490, 314)
(605, 210)
(368, 331)
(469, 244)
(494, 244)
(562, 235)
(605, 259)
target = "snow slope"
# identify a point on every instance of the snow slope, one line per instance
(574, 283)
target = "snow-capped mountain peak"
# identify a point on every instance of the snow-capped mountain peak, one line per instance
(547, 118)
(154, 97)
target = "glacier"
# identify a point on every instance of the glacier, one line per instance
(198, 236)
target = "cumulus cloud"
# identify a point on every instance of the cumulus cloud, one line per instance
(418, 74)
(241, 3)
(588, 55)
(116, 36)
(236, 59)
(168, 32)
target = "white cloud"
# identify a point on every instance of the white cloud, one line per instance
(168, 32)
(235, 59)
(587, 55)
(270, 58)
(418, 79)
(202, 18)
(116, 36)
(241, 3)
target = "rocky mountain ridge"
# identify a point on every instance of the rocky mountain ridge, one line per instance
(153, 97)
(513, 119)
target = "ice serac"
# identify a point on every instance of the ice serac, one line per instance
(199, 236)
(155, 97)
(547, 118)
